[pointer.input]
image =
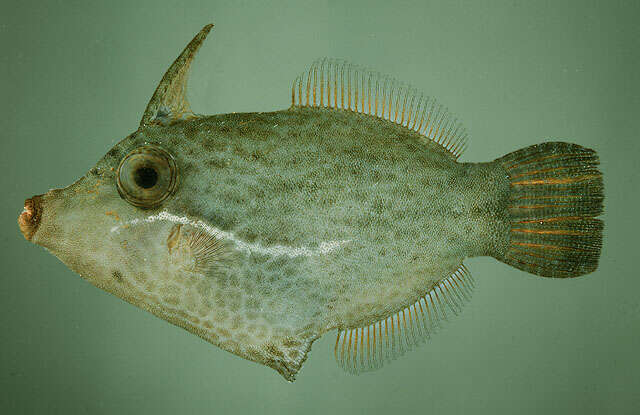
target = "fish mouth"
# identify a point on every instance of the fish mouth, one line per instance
(29, 219)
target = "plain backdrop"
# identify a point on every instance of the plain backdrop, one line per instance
(75, 77)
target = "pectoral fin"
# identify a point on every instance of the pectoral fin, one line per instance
(169, 102)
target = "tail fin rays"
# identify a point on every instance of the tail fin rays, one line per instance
(556, 193)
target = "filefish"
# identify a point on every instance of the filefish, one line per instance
(348, 211)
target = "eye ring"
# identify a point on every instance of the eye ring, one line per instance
(147, 176)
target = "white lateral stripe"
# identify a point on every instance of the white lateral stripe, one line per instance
(276, 250)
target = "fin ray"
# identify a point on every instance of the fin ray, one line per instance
(556, 194)
(390, 100)
(367, 348)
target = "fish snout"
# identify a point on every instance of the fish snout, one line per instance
(29, 219)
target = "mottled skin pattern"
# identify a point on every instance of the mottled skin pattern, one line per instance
(408, 212)
(287, 224)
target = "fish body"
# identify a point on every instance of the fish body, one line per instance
(260, 232)
(353, 208)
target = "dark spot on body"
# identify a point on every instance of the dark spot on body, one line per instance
(215, 163)
(212, 144)
(114, 153)
(117, 276)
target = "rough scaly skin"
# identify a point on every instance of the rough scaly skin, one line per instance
(332, 219)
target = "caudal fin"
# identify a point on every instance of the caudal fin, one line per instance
(556, 192)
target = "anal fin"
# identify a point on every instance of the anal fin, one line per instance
(367, 348)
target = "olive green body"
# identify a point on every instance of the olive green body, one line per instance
(338, 219)
(406, 213)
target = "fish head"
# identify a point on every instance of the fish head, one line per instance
(139, 225)
(99, 226)
(144, 225)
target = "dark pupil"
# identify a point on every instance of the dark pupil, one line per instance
(146, 177)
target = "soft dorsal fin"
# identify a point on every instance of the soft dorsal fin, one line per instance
(337, 84)
(169, 102)
(362, 349)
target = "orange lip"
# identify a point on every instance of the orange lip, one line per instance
(29, 219)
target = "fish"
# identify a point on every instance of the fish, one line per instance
(347, 212)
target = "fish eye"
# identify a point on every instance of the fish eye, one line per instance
(147, 176)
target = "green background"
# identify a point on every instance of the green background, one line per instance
(75, 78)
